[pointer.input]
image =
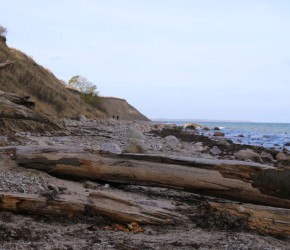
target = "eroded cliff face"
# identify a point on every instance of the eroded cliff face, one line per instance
(120, 107)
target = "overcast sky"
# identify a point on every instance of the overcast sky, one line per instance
(206, 59)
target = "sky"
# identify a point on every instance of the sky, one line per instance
(177, 59)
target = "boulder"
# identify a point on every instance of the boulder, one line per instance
(135, 134)
(191, 126)
(267, 157)
(206, 129)
(219, 133)
(249, 155)
(171, 140)
(198, 146)
(82, 118)
(215, 151)
(111, 147)
(217, 128)
(281, 157)
(134, 146)
(222, 141)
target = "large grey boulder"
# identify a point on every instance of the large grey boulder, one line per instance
(134, 146)
(249, 155)
(171, 140)
(135, 134)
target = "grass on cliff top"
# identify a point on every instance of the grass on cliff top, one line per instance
(26, 77)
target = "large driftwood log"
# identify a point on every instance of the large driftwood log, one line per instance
(263, 219)
(236, 180)
(107, 205)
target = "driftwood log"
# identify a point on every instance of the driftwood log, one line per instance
(107, 205)
(234, 180)
(266, 220)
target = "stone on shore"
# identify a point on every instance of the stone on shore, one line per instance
(134, 146)
(222, 141)
(249, 155)
(267, 157)
(171, 140)
(111, 147)
(191, 126)
(198, 146)
(215, 151)
(219, 133)
(281, 157)
(136, 134)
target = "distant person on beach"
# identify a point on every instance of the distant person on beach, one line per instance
(117, 118)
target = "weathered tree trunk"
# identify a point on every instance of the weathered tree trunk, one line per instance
(115, 209)
(235, 180)
(269, 220)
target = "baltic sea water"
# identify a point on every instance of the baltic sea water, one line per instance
(268, 135)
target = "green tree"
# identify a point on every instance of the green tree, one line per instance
(83, 85)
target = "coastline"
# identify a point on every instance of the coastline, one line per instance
(195, 227)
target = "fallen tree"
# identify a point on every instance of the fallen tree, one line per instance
(235, 180)
(114, 208)
(267, 220)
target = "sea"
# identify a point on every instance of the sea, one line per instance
(269, 135)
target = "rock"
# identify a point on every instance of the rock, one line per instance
(198, 146)
(287, 144)
(267, 157)
(191, 126)
(281, 157)
(222, 141)
(82, 118)
(135, 134)
(3, 140)
(171, 140)
(217, 128)
(206, 129)
(111, 147)
(249, 155)
(215, 151)
(135, 147)
(219, 134)
(241, 136)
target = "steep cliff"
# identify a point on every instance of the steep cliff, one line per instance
(120, 107)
